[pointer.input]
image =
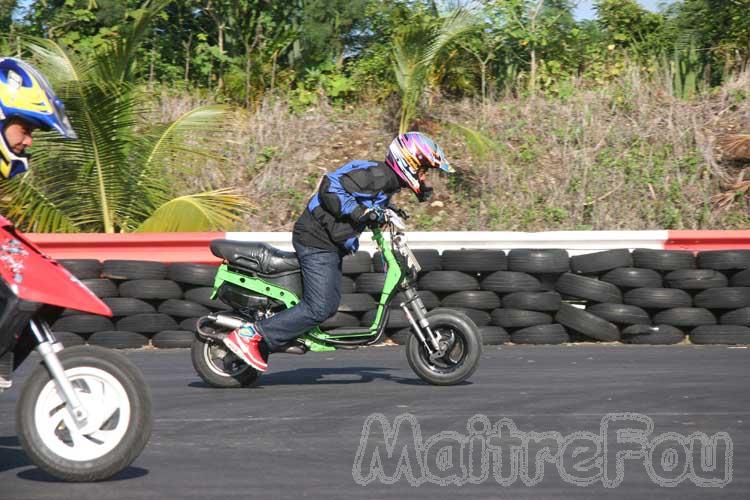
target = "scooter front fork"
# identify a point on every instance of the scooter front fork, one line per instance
(48, 348)
(420, 323)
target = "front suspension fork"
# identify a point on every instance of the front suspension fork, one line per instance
(419, 321)
(48, 348)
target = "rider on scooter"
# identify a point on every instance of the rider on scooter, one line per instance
(347, 200)
(27, 102)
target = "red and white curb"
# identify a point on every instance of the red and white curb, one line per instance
(194, 247)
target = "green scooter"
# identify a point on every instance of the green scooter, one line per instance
(257, 280)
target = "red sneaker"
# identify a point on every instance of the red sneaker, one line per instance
(245, 343)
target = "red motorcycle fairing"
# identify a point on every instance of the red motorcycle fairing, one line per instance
(34, 277)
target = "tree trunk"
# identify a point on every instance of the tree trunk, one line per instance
(187, 46)
(220, 80)
(532, 73)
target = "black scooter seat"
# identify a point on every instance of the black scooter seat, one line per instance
(255, 256)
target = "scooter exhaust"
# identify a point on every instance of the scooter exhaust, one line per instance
(217, 326)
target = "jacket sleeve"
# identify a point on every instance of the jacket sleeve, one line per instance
(337, 195)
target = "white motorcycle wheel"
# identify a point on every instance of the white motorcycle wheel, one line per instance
(118, 425)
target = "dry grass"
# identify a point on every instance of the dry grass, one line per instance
(627, 156)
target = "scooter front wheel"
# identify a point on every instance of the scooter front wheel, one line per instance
(219, 367)
(117, 403)
(463, 348)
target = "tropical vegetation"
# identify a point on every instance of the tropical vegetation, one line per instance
(185, 109)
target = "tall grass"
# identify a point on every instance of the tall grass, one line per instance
(629, 155)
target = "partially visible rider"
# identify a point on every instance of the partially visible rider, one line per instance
(346, 201)
(27, 103)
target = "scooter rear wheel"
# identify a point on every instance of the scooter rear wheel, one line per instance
(119, 420)
(462, 356)
(219, 367)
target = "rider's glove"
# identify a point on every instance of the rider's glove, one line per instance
(372, 216)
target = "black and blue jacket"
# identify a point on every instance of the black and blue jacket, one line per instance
(330, 220)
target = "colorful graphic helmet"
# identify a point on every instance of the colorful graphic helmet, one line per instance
(26, 94)
(410, 155)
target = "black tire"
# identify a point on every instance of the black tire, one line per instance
(357, 263)
(189, 324)
(69, 339)
(202, 295)
(582, 287)
(739, 316)
(633, 277)
(429, 299)
(663, 260)
(554, 333)
(356, 302)
(741, 278)
(83, 323)
(396, 319)
(138, 427)
(474, 299)
(370, 283)
(653, 335)
(219, 367)
(127, 306)
(511, 281)
(658, 298)
(428, 259)
(83, 268)
(620, 314)
(347, 285)
(723, 298)
(101, 287)
(172, 339)
(599, 262)
(147, 323)
(474, 260)
(340, 320)
(448, 281)
(150, 289)
(119, 339)
(721, 334)
(724, 259)
(695, 279)
(134, 270)
(519, 318)
(493, 335)
(192, 274)
(685, 317)
(587, 323)
(182, 308)
(479, 318)
(533, 301)
(549, 260)
(462, 359)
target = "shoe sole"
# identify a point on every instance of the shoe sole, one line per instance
(238, 352)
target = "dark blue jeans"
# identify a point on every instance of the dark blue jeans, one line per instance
(321, 281)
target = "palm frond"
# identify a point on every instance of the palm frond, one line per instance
(208, 211)
(114, 65)
(453, 26)
(735, 146)
(32, 210)
(478, 143)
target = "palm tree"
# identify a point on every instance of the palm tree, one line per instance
(415, 51)
(113, 178)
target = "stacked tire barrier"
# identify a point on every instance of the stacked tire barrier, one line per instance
(524, 296)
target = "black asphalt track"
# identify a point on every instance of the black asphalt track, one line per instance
(299, 433)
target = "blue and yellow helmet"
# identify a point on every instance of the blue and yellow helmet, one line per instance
(27, 95)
